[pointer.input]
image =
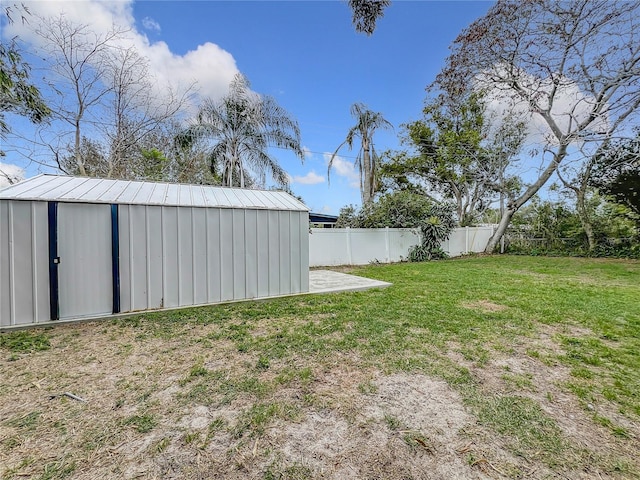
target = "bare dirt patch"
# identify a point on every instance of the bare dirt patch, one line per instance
(140, 419)
(521, 375)
(406, 427)
(485, 306)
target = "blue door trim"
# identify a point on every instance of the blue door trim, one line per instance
(54, 260)
(115, 258)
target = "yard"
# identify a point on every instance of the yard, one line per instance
(480, 367)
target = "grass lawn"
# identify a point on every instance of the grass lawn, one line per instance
(480, 367)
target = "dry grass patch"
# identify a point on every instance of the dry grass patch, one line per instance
(485, 306)
(145, 417)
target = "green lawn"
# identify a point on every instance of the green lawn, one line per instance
(539, 357)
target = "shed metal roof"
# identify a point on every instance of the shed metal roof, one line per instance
(62, 188)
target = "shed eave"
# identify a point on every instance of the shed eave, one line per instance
(60, 188)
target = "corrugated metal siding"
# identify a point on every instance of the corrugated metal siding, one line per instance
(24, 263)
(181, 256)
(95, 190)
(304, 252)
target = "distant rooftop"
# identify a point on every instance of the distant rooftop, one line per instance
(322, 218)
(62, 188)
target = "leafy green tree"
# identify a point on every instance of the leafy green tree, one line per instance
(401, 209)
(241, 127)
(347, 217)
(556, 227)
(625, 188)
(617, 173)
(367, 160)
(547, 220)
(17, 94)
(456, 155)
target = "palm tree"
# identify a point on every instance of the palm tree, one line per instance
(243, 125)
(367, 122)
(366, 13)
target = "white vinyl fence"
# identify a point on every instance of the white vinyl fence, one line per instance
(360, 246)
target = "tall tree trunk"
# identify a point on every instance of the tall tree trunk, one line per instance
(78, 154)
(502, 227)
(582, 209)
(515, 205)
(366, 171)
(581, 200)
(583, 214)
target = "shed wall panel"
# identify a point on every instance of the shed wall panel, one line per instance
(124, 258)
(154, 255)
(22, 262)
(284, 226)
(138, 249)
(5, 267)
(294, 245)
(274, 252)
(239, 255)
(200, 289)
(40, 254)
(262, 246)
(185, 256)
(170, 254)
(22, 265)
(251, 253)
(226, 254)
(213, 255)
(304, 251)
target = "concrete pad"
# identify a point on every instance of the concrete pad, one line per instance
(328, 281)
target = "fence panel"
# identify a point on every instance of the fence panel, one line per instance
(360, 246)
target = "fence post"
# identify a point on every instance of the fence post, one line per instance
(466, 240)
(348, 229)
(386, 245)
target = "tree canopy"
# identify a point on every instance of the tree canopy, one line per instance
(573, 67)
(242, 126)
(366, 14)
(455, 155)
(617, 173)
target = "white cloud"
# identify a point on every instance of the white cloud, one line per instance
(150, 24)
(326, 209)
(570, 106)
(207, 64)
(307, 153)
(311, 178)
(344, 169)
(10, 174)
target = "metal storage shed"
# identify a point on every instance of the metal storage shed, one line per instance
(74, 248)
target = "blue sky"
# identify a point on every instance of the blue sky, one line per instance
(308, 56)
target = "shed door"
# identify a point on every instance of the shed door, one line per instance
(84, 248)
